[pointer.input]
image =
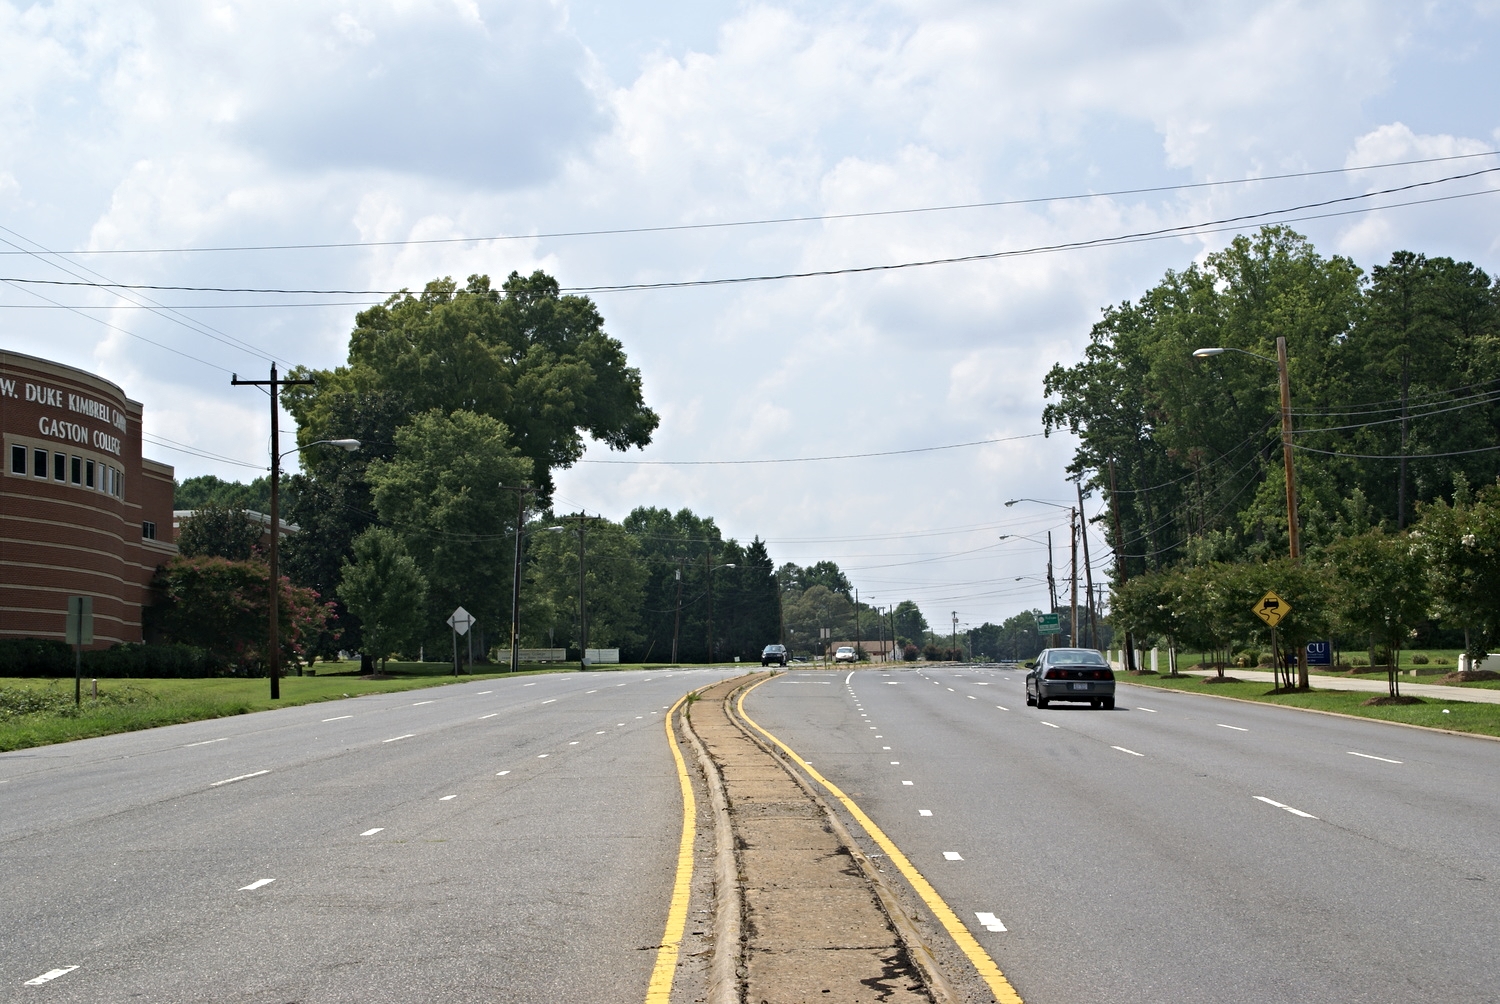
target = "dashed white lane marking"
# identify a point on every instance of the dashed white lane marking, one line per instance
(619, 684)
(872, 729)
(372, 831)
(418, 704)
(893, 683)
(981, 683)
(483, 692)
(206, 742)
(239, 777)
(885, 747)
(639, 717)
(908, 782)
(49, 976)
(952, 691)
(586, 691)
(533, 684)
(990, 922)
(1051, 726)
(543, 756)
(256, 885)
(971, 697)
(1152, 710)
(1371, 756)
(1002, 707)
(394, 738)
(573, 743)
(924, 812)
(877, 737)
(895, 763)
(447, 798)
(338, 719)
(952, 856)
(492, 714)
(1122, 749)
(619, 724)
(599, 733)
(1288, 808)
(550, 700)
(501, 773)
(1235, 727)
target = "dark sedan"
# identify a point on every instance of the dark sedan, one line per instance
(1071, 674)
(773, 653)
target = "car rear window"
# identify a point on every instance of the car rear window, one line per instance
(1076, 659)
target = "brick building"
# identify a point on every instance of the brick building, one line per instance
(82, 513)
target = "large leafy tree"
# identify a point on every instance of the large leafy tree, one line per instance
(439, 493)
(525, 355)
(614, 578)
(216, 530)
(386, 591)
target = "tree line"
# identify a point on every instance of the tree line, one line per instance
(1395, 387)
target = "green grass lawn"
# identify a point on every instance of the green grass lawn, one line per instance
(1460, 716)
(40, 712)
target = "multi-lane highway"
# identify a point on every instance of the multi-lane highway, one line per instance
(504, 840)
(1179, 848)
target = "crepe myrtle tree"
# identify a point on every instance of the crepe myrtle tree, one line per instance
(387, 592)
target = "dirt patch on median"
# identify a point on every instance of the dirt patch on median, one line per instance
(813, 927)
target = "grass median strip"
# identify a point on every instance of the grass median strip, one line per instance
(1449, 715)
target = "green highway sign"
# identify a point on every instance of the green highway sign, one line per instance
(1049, 624)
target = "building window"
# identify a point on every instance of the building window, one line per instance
(17, 459)
(59, 467)
(148, 530)
(119, 484)
(39, 463)
(88, 473)
(77, 471)
(107, 480)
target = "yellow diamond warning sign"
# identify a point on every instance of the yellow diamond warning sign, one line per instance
(1272, 609)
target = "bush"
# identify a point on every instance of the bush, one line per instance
(1249, 657)
(1419, 659)
(909, 652)
(48, 657)
(1357, 662)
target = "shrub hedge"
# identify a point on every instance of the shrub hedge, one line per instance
(48, 657)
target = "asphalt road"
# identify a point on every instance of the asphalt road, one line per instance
(504, 840)
(1179, 848)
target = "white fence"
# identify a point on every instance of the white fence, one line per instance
(591, 656)
(543, 655)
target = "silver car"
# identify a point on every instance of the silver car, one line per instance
(1071, 674)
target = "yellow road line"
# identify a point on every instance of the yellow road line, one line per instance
(660, 989)
(988, 970)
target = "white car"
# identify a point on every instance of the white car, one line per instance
(845, 653)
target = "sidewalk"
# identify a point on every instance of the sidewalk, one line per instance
(1432, 691)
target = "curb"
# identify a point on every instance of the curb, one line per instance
(1315, 711)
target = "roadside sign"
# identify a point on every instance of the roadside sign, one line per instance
(1272, 609)
(80, 625)
(1319, 653)
(1049, 624)
(461, 620)
(825, 633)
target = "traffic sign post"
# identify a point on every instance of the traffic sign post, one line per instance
(1049, 624)
(79, 631)
(1273, 610)
(460, 621)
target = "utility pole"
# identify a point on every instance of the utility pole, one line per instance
(1073, 543)
(273, 655)
(515, 579)
(1051, 584)
(1114, 502)
(955, 630)
(1293, 529)
(857, 639)
(677, 618)
(1088, 569)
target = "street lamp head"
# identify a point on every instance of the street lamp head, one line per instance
(1012, 502)
(349, 444)
(1205, 353)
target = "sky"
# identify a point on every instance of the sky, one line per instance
(433, 138)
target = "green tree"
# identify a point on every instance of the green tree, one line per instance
(671, 544)
(387, 592)
(222, 606)
(911, 626)
(206, 490)
(614, 578)
(439, 492)
(1380, 591)
(536, 361)
(220, 531)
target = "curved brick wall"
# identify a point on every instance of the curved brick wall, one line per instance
(78, 502)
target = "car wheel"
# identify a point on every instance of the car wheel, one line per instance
(1030, 701)
(1041, 701)
(1109, 704)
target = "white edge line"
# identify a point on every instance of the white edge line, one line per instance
(1122, 749)
(256, 884)
(394, 738)
(231, 780)
(372, 832)
(1235, 727)
(1371, 756)
(338, 719)
(206, 742)
(49, 975)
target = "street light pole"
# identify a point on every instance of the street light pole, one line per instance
(1293, 524)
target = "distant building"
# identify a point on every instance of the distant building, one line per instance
(287, 529)
(82, 513)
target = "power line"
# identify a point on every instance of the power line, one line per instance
(809, 460)
(1396, 456)
(773, 221)
(1164, 233)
